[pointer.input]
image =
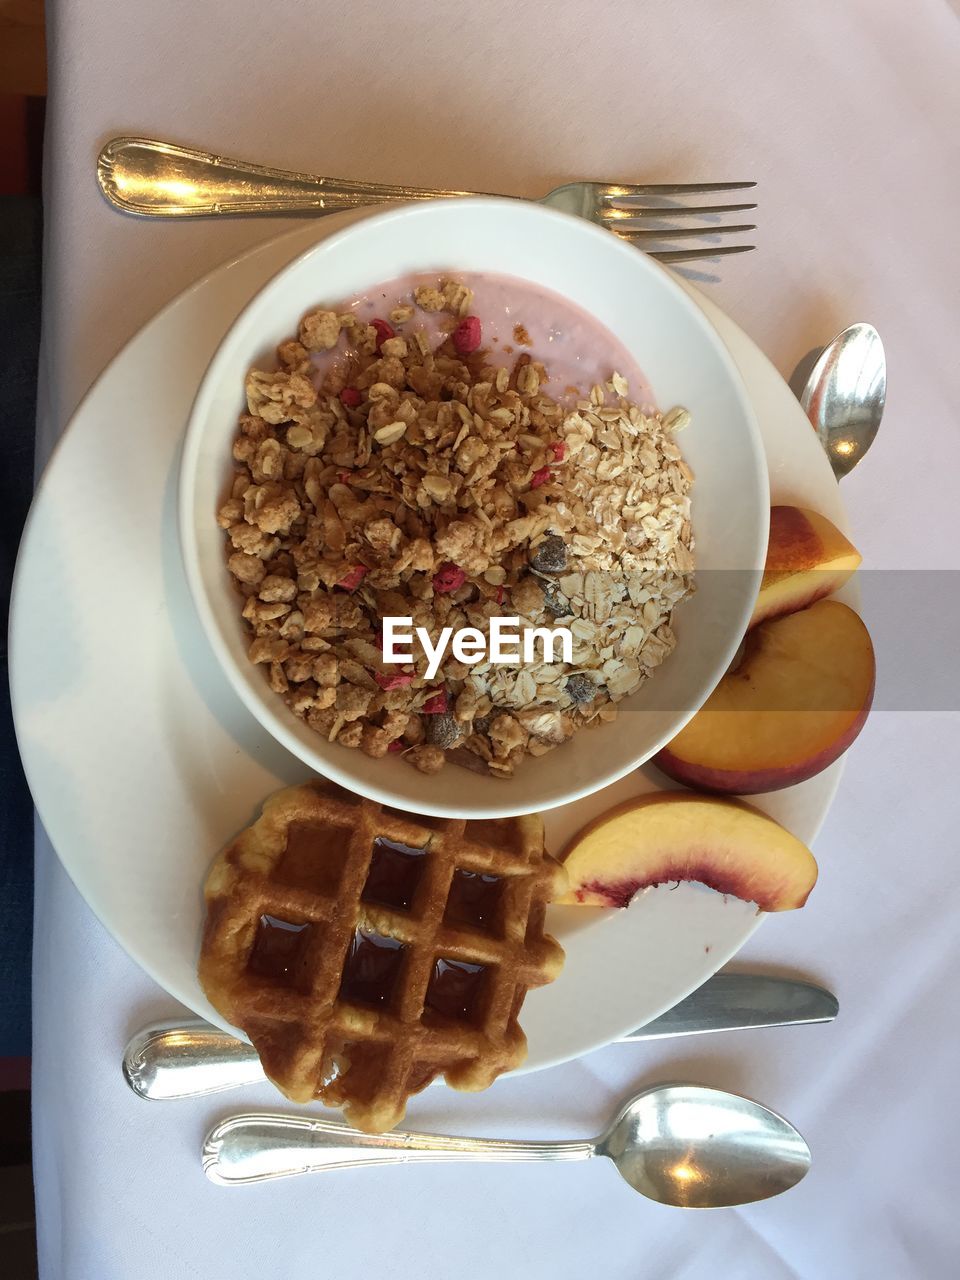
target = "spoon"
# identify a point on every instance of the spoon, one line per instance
(844, 395)
(677, 1144)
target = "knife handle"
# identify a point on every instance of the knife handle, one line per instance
(187, 1058)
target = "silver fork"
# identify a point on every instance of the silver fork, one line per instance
(160, 180)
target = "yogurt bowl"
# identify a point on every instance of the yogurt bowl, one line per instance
(617, 310)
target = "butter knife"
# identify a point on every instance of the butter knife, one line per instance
(187, 1058)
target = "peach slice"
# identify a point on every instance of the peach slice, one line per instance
(807, 558)
(725, 844)
(794, 703)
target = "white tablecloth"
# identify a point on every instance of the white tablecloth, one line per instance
(847, 112)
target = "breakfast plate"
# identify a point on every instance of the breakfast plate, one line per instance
(143, 761)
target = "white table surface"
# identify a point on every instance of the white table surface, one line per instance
(847, 113)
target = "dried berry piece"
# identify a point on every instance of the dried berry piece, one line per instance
(467, 335)
(539, 477)
(384, 331)
(558, 448)
(442, 730)
(399, 680)
(436, 705)
(580, 688)
(449, 577)
(352, 580)
(351, 396)
(550, 555)
(398, 745)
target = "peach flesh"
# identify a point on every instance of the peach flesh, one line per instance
(724, 844)
(808, 558)
(797, 700)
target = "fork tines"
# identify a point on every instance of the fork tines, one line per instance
(645, 214)
(626, 191)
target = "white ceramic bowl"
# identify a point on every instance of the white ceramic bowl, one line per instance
(686, 362)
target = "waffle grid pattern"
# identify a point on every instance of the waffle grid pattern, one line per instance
(316, 1038)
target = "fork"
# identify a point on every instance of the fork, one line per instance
(160, 180)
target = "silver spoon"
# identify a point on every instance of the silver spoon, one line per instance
(677, 1144)
(845, 393)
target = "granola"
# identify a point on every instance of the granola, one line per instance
(417, 477)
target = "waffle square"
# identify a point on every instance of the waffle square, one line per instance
(365, 951)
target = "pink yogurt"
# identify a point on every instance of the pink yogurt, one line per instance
(575, 348)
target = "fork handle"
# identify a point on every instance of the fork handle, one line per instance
(257, 1147)
(159, 180)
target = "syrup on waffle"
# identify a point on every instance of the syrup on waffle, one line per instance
(365, 951)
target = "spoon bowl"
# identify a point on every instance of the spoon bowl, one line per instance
(700, 1148)
(845, 394)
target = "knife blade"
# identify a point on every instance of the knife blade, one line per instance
(740, 1002)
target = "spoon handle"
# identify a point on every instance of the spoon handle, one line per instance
(259, 1146)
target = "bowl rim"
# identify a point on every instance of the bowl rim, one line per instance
(257, 701)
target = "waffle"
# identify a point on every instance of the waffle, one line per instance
(365, 951)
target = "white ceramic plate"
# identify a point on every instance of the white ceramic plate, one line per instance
(143, 761)
(679, 352)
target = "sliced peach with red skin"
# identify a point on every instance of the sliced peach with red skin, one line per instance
(808, 558)
(794, 703)
(658, 839)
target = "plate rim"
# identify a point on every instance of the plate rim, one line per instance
(16, 637)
